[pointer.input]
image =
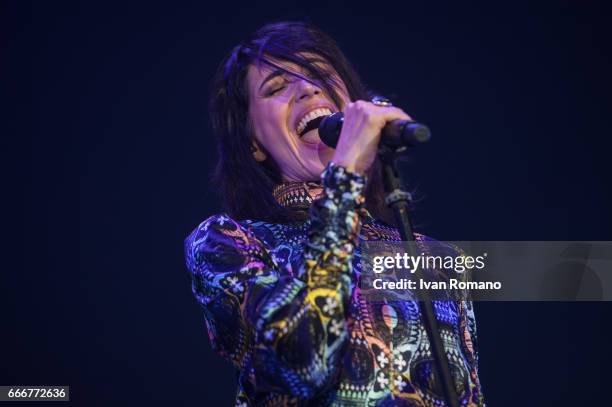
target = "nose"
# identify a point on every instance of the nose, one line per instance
(306, 89)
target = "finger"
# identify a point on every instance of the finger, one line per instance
(393, 113)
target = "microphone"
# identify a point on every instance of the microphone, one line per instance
(396, 133)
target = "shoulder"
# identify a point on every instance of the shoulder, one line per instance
(221, 226)
(218, 236)
(377, 230)
(437, 247)
(220, 239)
(213, 227)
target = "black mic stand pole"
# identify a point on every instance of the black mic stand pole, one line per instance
(398, 200)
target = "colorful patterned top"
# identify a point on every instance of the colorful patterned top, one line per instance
(283, 304)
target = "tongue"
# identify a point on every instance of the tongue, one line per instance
(311, 136)
(311, 125)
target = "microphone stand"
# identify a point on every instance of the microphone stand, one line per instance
(398, 200)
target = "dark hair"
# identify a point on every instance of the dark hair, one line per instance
(245, 184)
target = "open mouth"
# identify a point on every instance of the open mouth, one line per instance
(312, 120)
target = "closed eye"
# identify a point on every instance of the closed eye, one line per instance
(275, 90)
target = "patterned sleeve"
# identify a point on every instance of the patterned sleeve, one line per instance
(467, 332)
(469, 341)
(285, 333)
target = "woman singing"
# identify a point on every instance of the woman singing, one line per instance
(278, 273)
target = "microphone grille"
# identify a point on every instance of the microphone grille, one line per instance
(329, 129)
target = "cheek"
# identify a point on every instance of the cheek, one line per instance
(344, 98)
(269, 123)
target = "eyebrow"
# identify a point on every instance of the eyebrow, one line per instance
(280, 72)
(317, 60)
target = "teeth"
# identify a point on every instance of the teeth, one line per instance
(310, 116)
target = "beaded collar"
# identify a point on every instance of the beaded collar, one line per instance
(300, 195)
(297, 195)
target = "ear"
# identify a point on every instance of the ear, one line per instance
(258, 152)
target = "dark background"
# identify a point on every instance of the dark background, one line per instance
(108, 153)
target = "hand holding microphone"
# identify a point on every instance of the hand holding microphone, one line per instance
(359, 129)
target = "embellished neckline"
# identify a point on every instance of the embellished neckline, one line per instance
(297, 195)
